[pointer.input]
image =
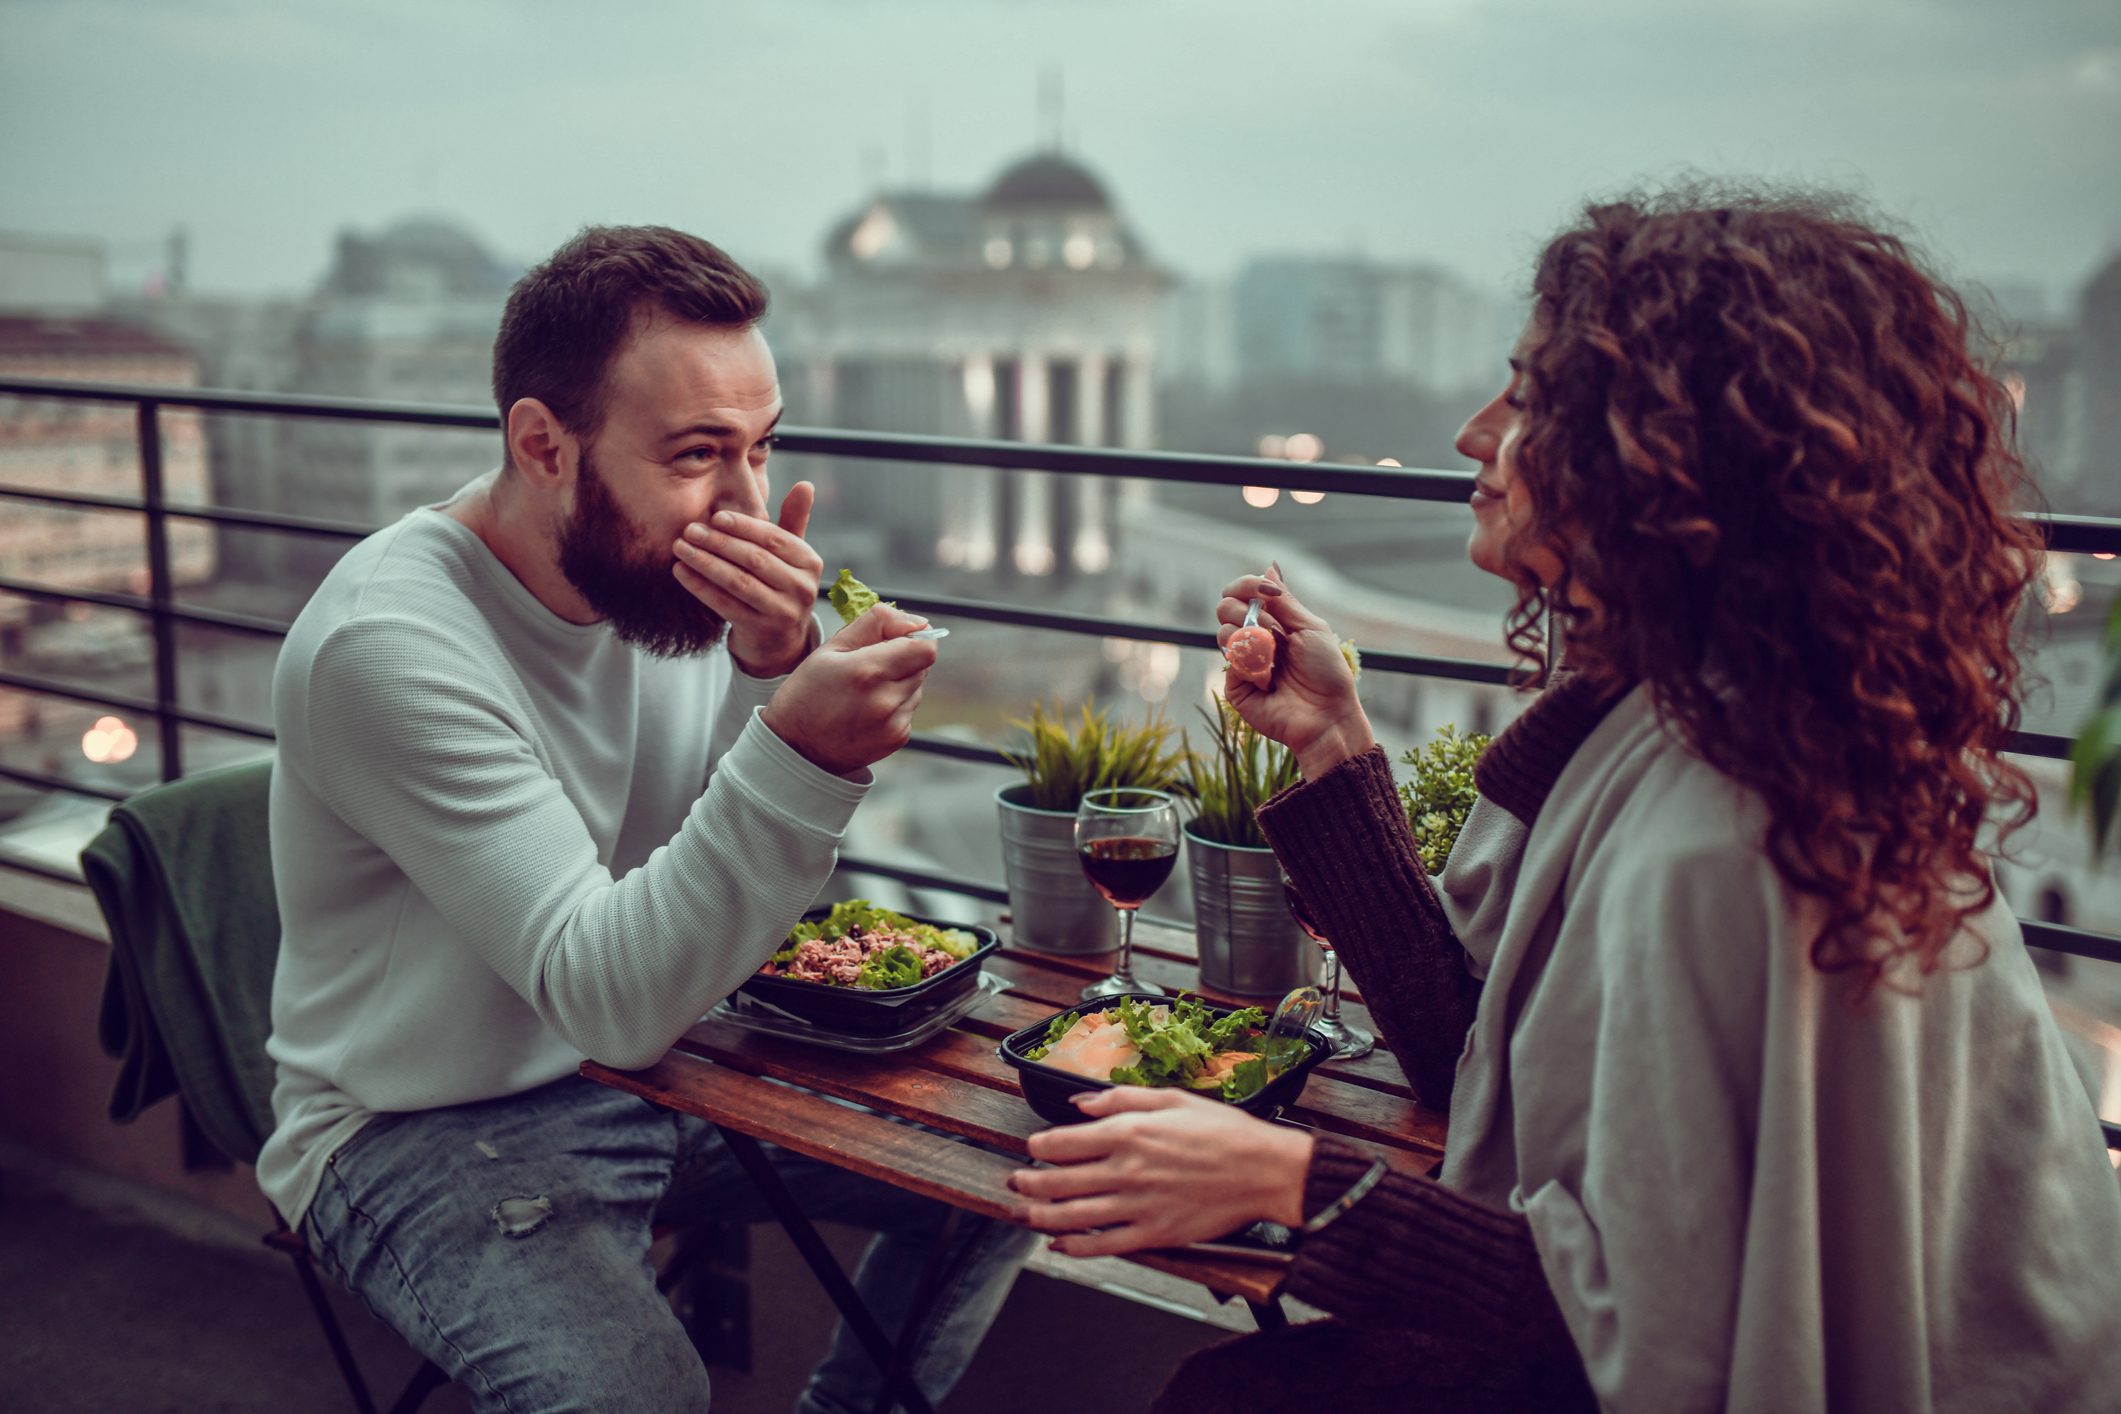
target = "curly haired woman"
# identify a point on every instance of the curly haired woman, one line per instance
(1755, 1101)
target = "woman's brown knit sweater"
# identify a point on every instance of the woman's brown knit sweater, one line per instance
(1413, 1252)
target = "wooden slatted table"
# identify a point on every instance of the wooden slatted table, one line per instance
(784, 1092)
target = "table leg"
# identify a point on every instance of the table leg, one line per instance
(898, 1380)
(933, 1276)
(1268, 1314)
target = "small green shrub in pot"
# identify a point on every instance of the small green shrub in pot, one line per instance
(2095, 775)
(1441, 791)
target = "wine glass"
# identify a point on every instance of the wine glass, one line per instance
(1349, 1040)
(1127, 839)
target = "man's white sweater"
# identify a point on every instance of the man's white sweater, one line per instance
(503, 842)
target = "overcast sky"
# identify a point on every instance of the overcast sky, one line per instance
(1460, 131)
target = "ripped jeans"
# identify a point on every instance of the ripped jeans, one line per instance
(507, 1241)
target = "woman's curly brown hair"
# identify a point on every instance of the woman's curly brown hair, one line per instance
(1758, 438)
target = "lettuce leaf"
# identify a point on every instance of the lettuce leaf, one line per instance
(1229, 1034)
(851, 597)
(1169, 1038)
(955, 941)
(895, 966)
(1247, 1079)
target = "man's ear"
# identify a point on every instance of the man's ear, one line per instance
(539, 446)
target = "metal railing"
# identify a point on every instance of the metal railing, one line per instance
(2077, 534)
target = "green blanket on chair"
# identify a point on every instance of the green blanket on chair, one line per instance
(183, 873)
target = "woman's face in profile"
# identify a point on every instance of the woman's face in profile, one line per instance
(1502, 503)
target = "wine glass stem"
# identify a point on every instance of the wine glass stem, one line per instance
(1332, 983)
(1125, 970)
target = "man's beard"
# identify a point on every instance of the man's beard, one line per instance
(639, 597)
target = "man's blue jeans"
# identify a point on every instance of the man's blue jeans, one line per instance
(507, 1241)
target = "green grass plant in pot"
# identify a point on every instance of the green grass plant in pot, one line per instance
(1250, 945)
(1051, 905)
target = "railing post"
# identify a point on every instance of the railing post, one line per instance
(159, 588)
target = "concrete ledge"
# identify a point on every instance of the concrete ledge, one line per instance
(55, 1081)
(43, 900)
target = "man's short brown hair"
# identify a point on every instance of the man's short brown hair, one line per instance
(567, 319)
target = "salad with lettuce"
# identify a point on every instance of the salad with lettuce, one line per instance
(1181, 1043)
(861, 945)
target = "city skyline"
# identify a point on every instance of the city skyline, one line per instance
(1246, 137)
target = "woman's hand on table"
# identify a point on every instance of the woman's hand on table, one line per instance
(1312, 707)
(1160, 1168)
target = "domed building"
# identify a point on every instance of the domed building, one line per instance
(1024, 312)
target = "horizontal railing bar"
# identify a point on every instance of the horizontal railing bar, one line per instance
(217, 515)
(928, 744)
(267, 404)
(125, 702)
(2046, 744)
(2040, 744)
(140, 604)
(1424, 665)
(2078, 942)
(274, 520)
(2076, 534)
(1459, 669)
(106, 598)
(80, 500)
(922, 878)
(1403, 483)
(51, 782)
(2082, 535)
(987, 611)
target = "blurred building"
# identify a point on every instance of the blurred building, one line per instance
(243, 344)
(408, 315)
(1349, 320)
(1372, 359)
(2065, 374)
(2096, 483)
(52, 275)
(55, 323)
(1027, 311)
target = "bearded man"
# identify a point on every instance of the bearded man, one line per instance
(561, 761)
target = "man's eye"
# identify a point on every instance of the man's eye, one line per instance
(708, 452)
(1515, 400)
(765, 444)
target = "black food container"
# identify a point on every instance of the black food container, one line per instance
(1047, 1089)
(862, 1012)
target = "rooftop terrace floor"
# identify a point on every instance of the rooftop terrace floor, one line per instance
(114, 1296)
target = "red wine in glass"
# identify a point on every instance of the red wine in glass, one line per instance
(1126, 869)
(1349, 1040)
(1127, 840)
(1301, 912)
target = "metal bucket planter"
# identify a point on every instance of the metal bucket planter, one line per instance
(1249, 943)
(1052, 907)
